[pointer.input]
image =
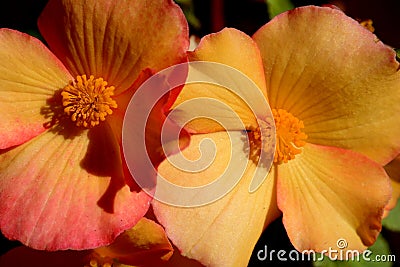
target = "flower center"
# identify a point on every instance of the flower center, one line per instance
(260, 139)
(289, 137)
(88, 101)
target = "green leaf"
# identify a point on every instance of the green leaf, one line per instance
(371, 258)
(188, 9)
(392, 221)
(397, 53)
(275, 7)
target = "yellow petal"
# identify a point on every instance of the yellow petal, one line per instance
(29, 76)
(332, 73)
(115, 39)
(234, 48)
(241, 68)
(327, 194)
(223, 232)
(144, 244)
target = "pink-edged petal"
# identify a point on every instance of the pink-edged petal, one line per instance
(144, 245)
(237, 51)
(155, 121)
(115, 39)
(117, 118)
(65, 189)
(394, 199)
(29, 76)
(332, 73)
(24, 256)
(206, 232)
(393, 170)
(327, 194)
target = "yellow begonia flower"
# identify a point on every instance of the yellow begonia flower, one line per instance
(334, 91)
(63, 180)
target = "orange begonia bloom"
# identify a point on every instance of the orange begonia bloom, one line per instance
(63, 180)
(334, 91)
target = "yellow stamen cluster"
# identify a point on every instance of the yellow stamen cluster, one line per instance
(290, 138)
(261, 140)
(88, 101)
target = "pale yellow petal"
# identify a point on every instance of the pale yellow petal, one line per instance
(229, 226)
(29, 76)
(327, 194)
(234, 87)
(336, 76)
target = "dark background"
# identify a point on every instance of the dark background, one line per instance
(248, 16)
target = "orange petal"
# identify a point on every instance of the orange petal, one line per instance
(117, 118)
(115, 39)
(236, 51)
(29, 76)
(145, 244)
(213, 233)
(327, 194)
(148, 135)
(393, 170)
(70, 191)
(332, 73)
(394, 199)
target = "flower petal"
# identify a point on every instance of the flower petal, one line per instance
(332, 73)
(394, 199)
(145, 244)
(393, 170)
(204, 233)
(236, 50)
(327, 194)
(71, 192)
(29, 76)
(115, 39)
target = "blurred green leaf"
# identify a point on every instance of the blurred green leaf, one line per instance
(392, 221)
(379, 251)
(397, 53)
(36, 34)
(188, 9)
(275, 7)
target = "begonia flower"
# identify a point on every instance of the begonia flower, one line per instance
(63, 180)
(144, 245)
(334, 90)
